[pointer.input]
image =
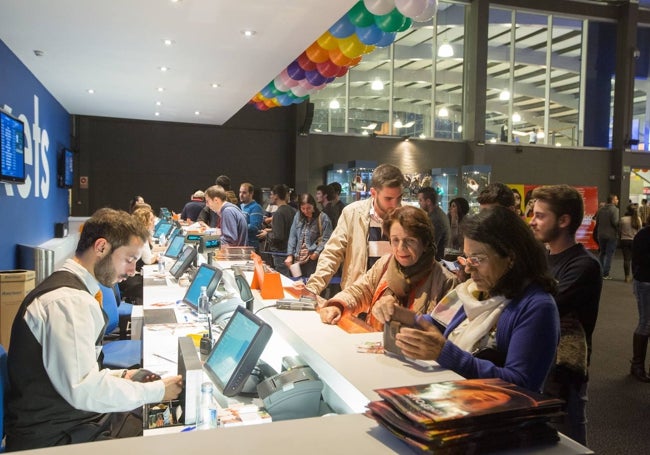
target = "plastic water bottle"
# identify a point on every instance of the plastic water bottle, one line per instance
(162, 240)
(204, 304)
(206, 411)
(161, 265)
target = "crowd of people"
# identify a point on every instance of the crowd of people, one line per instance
(521, 306)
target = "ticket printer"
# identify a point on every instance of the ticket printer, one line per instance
(292, 394)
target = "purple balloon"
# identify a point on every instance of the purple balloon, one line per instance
(315, 78)
(295, 71)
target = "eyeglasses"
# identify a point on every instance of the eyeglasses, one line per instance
(472, 261)
(409, 242)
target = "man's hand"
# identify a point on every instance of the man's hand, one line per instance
(173, 387)
(330, 314)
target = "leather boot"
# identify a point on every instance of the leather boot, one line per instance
(639, 348)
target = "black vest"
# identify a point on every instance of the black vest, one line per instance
(37, 416)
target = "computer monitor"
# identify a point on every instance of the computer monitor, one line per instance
(237, 351)
(163, 227)
(207, 276)
(183, 262)
(175, 246)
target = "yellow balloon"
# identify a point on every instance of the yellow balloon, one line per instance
(327, 41)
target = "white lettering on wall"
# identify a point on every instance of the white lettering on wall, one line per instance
(36, 159)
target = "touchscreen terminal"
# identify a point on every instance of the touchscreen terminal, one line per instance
(237, 351)
(183, 262)
(175, 247)
(207, 276)
(163, 227)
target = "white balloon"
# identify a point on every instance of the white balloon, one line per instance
(279, 84)
(411, 8)
(428, 13)
(379, 7)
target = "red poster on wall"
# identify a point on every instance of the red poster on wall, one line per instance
(589, 194)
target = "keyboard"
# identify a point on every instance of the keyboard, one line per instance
(159, 316)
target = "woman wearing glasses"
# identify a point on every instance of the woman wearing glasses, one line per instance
(507, 325)
(409, 277)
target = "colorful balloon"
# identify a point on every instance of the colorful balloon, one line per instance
(379, 7)
(316, 54)
(411, 8)
(305, 63)
(369, 35)
(351, 46)
(342, 28)
(328, 68)
(295, 71)
(428, 13)
(390, 22)
(360, 16)
(386, 39)
(327, 41)
(314, 77)
(338, 58)
(287, 80)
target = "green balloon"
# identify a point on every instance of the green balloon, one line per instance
(360, 16)
(407, 24)
(391, 22)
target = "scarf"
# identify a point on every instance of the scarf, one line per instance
(482, 316)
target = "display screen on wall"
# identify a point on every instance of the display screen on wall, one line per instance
(66, 169)
(12, 149)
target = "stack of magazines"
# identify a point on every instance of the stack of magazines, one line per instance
(467, 416)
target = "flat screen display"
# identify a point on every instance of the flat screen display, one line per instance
(183, 262)
(175, 247)
(207, 276)
(65, 175)
(12, 149)
(237, 351)
(163, 227)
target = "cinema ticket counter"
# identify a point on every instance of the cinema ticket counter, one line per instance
(349, 378)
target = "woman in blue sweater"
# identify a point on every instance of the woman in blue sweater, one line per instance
(507, 325)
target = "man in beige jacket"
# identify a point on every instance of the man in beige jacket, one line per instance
(357, 242)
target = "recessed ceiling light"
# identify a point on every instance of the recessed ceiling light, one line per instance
(197, 113)
(168, 42)
(248, 33)
(215, 85)
(157, 114)
(161, 89)
(90, 91)
(158, 103)
(164, 69)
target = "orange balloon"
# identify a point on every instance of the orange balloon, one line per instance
(337, 57)
(327, 41)
(316, 54)
(355, 62)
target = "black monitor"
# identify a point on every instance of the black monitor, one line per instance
(207, 276)
(175, 246)
(65, 169)
(237, 351)
(183, 262)
(164, 227)
(12, 149)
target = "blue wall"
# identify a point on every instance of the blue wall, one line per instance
(29, 211)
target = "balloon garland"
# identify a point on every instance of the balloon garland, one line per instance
(368, 25)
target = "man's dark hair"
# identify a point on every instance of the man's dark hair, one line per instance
(497, 193)
(562, 200)
(337, 187)
(429, 193)
(223, 181)
(322, 189)
(281, 191)
(387, 175)
(116, 226)
(610, 198)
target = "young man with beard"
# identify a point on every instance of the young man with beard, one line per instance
(358, 240)
(58, 391)
(557, 215)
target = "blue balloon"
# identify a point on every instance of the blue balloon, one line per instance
(386, 39)
(342, 28)
(285, 99)
(369, 35)
(315, 78)
(267, 91)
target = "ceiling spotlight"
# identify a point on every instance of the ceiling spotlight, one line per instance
(157, 114)
(161, 89)
(408, 124)
(443, 112)
(168, 42)
(422, 136)
(158, 103)
(365, 132)
(334, 104)
(445, 50)
(504, 95)
(164, 69)
(370, 126)
(377, 85)
(90, 91)
(540, 134)
(197, 113)
(248, 33)
(215, 85)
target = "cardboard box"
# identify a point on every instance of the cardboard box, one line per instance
(14, 286)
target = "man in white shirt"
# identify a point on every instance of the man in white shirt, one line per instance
(58, 392)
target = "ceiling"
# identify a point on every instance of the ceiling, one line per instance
(116, 48)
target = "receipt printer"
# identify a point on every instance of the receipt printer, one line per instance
(292, 394)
